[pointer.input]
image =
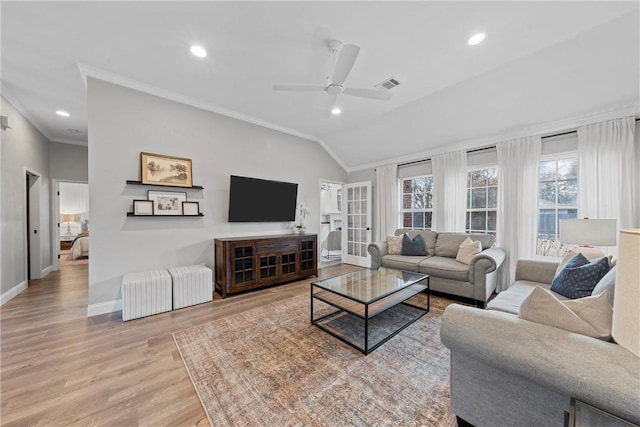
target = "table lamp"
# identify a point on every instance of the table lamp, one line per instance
(626, 298)
(68, 218)
(588, 233)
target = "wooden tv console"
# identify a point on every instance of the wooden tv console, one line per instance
(254, 262)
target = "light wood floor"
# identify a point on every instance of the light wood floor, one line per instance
(60, 368)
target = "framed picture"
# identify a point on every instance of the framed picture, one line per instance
(190, 208)
(167, 202)
(142, 207)
(165, 170)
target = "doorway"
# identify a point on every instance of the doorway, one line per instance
(357, 223)
(32, 232)
(330, 234)
(71, 220)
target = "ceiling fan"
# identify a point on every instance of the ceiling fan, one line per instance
(344, 64)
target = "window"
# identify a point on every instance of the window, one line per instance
(557, 199)
(417, 202)
(482, 200)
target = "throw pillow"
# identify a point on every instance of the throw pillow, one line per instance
(579, 276)
(591, 316)
(468, 249)
(588, 252)
(394, 245)
(413, 247)
(607, 283)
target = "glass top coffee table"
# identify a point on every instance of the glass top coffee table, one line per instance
(372, 305)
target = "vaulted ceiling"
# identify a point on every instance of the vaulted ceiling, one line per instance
(542, 62)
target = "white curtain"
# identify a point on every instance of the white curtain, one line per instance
(606, 187)
(449, 191)
(386, 200)
(517, 223)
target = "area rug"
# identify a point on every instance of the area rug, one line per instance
(269, 366)
(67, 259)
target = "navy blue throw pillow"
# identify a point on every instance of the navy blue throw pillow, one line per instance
(413, 247)
(579, 276)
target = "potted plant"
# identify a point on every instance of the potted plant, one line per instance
(300, 227)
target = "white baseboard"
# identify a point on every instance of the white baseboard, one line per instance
(13, 292)
(104, 308)
(47, 271)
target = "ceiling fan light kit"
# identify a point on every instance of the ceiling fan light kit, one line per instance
(348, 53)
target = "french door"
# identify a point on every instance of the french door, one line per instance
(356, 223)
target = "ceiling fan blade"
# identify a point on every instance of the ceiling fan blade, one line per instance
(345, 62)
(300, 88)
(368, 93)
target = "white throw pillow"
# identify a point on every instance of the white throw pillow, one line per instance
(468, 249)
(394, 245)
(590, 316)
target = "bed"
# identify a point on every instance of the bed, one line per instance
(80, 246)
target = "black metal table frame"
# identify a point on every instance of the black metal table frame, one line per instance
(366, 350)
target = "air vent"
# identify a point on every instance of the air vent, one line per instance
(388, 84)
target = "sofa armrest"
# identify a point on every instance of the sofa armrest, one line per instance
(484, 272)
(486, 262)
(377, 250)
(601, 373)
(535, 270)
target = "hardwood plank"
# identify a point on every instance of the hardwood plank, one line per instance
(59, 367)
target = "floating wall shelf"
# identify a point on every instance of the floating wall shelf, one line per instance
(193, 187)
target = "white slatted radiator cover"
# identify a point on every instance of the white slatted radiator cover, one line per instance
(144, 294)
(192, 284)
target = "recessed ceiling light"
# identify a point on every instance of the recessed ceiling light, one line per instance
(198, 51)
(476, 39)
(62, 113)
(335, 111)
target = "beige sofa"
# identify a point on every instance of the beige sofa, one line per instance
(507, 371)
(476, 281)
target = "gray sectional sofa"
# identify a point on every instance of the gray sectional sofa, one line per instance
(506, 371)
(476, 281)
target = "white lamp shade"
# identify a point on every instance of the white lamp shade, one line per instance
(593, 232)
(626, 299)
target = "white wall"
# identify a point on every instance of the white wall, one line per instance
(22, 148)
(123, 123)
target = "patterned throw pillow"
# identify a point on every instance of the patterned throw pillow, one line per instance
(579, 276)
(413, 247)
(589, 253)
(394, 245)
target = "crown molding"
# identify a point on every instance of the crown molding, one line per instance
(8, 95)
(70, 141)
(545, 129)
(87, 71)
(335, 157)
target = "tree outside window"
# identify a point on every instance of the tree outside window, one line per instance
(417, 202)
(482, 200)
(557, 199)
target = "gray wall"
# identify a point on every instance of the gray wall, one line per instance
(22, 148)
(69, 162)
(123, 123)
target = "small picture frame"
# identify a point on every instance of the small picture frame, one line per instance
(143, 207)
(190, 208)
(167, 202)
(157, 169)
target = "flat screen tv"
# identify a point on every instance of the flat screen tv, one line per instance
(261, 200)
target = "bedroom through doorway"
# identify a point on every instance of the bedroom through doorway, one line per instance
(72, 240)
